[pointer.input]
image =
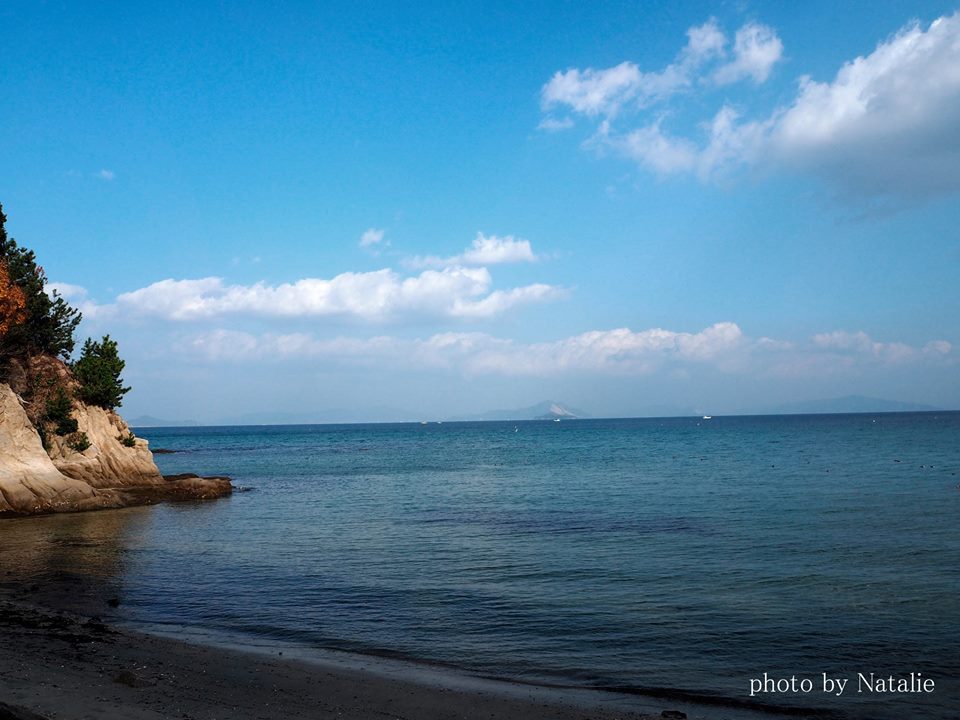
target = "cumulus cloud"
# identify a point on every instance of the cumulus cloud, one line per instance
(485, 250)
(888, 122)
(887, 125)
(379, 296)
(722, 346)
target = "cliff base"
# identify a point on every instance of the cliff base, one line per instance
(113, 470)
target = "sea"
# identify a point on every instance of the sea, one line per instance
(678, 558)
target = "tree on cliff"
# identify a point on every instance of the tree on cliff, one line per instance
(13, 304)
(48, 322)
(98, 371)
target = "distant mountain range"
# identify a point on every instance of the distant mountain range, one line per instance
(546, 410)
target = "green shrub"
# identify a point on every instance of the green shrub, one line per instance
(129, 440)
(78, 441)
(58, 411)
(98, 371)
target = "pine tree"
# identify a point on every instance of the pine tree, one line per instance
(49, 322)
(98, 371)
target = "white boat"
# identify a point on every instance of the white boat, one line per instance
(708, 417)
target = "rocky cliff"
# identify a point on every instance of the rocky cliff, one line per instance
(108, 473)
(107, 462)
(29, 481)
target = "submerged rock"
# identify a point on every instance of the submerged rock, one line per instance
(186, 486)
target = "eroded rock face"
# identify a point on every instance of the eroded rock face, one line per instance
(29, 481)
(108, 474)
(107, 462)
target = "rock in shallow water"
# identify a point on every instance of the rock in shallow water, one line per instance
(108, 474)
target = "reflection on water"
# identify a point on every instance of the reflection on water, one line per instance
(71, 561)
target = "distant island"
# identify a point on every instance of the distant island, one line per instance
(546, 410)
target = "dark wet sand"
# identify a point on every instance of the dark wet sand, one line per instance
(60, 664)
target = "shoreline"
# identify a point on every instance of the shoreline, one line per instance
(66, 652)
(59, 664)
(438, 674)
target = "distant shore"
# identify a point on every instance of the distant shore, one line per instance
(58, 664)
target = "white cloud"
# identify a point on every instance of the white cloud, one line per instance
(729, 143)
(888, 122)
(704, 43)
(66, 290)
(648, 146)
(492, 250)
(379, 296)
(722, 346)
(618, 350)
(861, 344)
(106, 175)
(756, 49)
(844, 353)
(593, 92)
(499, 301)
(604, 93)
(887, 125)
(371, 236)
(485, 250)
(77, 297)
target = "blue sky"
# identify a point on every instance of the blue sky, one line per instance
(456, 207)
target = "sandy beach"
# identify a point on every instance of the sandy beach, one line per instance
(59, 664)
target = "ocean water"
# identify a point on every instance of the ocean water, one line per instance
(681, 557)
